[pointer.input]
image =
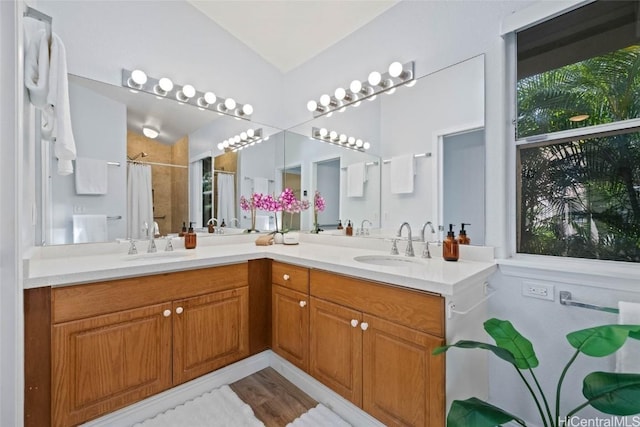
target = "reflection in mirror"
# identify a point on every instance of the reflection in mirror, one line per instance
(174, 175)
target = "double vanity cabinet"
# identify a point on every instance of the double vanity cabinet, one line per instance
(99, 340)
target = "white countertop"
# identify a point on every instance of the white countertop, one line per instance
(69, 265)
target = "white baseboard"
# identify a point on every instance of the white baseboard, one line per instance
(173, 397)
(318, 391)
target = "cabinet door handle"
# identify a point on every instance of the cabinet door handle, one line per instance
(354, 322)
(303, 303)
(179, 310)
(364, 326)
(166, 313)
(286, 277)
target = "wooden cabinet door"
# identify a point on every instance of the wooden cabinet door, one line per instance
(209, 332)
(290, 326)
(336, 348)
(403, 384)
(106, 362)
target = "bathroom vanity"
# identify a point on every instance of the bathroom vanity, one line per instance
(117, 330)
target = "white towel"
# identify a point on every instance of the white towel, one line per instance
(260, 185)
(356, 179)
(627, 359)
(401, 174)
(56, 125)
(91, 176)
(36, 69)
(89, 228)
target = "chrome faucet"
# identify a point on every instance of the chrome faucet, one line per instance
(409, 250)
(236, 220)
(132, 247)
(362, 231)
(425, 252)
(213, 221)
(152, 244)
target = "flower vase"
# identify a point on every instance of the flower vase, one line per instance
(316, 228)
(278, 237)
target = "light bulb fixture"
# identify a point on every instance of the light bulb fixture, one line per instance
(138, 81)
(150, 132)
(398, 74)
(339, 139)
(244, 139)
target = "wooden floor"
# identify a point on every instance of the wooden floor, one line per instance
(274, 400)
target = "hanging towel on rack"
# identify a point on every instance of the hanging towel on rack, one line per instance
(627, 359)
(356, 179)
(91, 176)
(260, 185)
(401, 174)
(56, 125)
(89, 228)
(36, 69)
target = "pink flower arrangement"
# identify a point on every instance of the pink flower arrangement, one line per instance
(286, 202)
(318, 202)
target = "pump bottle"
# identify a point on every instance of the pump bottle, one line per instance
(462, 236)
(450, 248)
(190, 238)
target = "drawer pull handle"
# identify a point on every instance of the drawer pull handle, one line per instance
(303, 303)
(364, 326)
(166, 313)
(286, 277)
(179, 310)
(354, 322)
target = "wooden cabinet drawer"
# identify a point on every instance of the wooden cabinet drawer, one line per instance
(415, 309)
(290, 276)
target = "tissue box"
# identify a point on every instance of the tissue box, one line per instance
(290, 238)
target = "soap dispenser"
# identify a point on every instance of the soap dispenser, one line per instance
(190, 238)
(183, 231)
(462, 237)
(340, 227)
(450, 246)
(349, 229)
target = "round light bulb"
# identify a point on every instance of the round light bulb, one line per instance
(374, 78)
(324, 132)
(340, 93)
(351, 140)
(247, 109)
(343, 138)
(188, 91)
(229, 103)
(225, 143)
(243, 136)
(236, 139)
(359, 143)
(325, 100)
(250, 133)
(333, 135)
(210, 98)
(395, 69)
(220, 146)
(138, 77)
(165, 84)
(355, 86)
(366, 145)
(312, 106)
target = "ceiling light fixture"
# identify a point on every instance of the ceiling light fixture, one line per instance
(341, 140)
(244, 139)
(398, 74)
(137, 80)
(150, 132)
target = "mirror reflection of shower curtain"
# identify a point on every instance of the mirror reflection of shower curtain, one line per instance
(139, 200)
(226, 198)
(195, 199)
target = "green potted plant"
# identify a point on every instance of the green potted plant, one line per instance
(608, 392)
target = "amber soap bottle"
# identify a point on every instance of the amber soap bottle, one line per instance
(462, 236)
(190, 238)
(450, 247)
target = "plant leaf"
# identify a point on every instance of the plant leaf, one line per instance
(477, 413)
(507, 337)
(602, 340)
(500, 352)
(613, 393)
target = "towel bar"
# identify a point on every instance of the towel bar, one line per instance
(451, 306)
(415, 156)
(565, 299)
(111, 218)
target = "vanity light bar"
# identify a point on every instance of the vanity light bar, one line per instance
(340, 139)
(137, 80)
(242, 140)
(397, 75)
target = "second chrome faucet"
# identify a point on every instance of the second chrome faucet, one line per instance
(409, 250)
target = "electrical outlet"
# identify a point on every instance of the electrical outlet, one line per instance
(537, 290)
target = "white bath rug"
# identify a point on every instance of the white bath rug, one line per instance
(218, 408)
(318, 417)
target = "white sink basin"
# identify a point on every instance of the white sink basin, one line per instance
(157, 255)
(388, 260)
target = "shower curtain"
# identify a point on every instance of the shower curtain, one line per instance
(226, 198)
(139, 200)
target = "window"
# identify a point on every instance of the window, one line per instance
(578, 134)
